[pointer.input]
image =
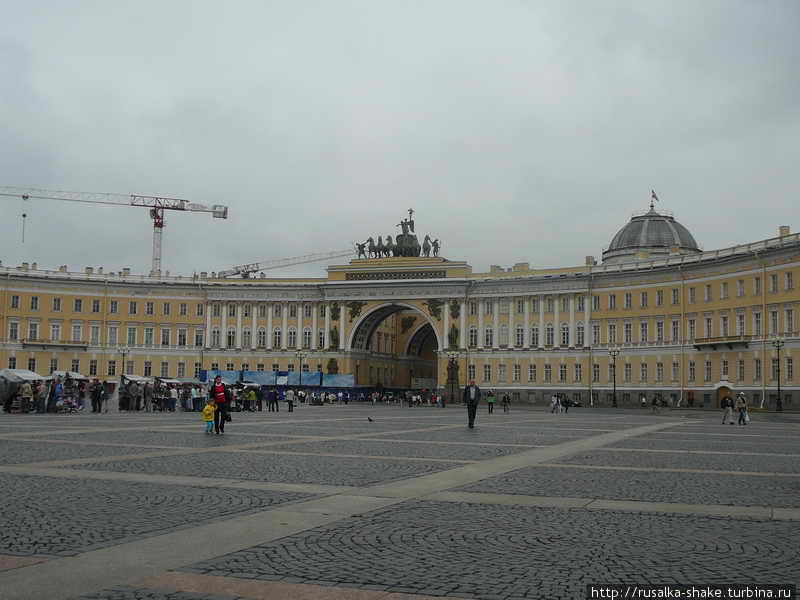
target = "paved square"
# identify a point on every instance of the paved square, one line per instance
(322, 503)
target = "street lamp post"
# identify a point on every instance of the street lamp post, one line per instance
(452, 375)
(778, 342)
(614, 352)
(300, 356)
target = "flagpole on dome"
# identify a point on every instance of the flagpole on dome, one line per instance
(653, 197)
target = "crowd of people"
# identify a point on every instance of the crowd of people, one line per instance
(59, 395)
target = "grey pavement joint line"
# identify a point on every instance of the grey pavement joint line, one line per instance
(666, 470)
(94, 570)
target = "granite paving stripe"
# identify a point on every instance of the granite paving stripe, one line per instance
(627, 483)
(270, 451)
(747, 452)
(561, 465)
(196, 439)
(24, 452)
(687, 460)
(749, 445)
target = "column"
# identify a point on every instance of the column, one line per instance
(556, 324)
(512, 334)
(207, 337)
(223, 330)
(254, 330)
(342, 322)
(327, 325)
(527, 323)
(445, 326)
(572, 321)
(496, 323)
(480, 324)
(299, 324)
(239, 310)
(314, 310)
(587, 322)
(462, 333)
(285, 325)
(269, 326)
(541, 321)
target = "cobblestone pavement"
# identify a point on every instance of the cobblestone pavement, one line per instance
(52, 516)
(352, 512)
(435, 548)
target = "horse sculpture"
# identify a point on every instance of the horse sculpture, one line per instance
(371, 247)
(426, 246)
(379, 248)
(388, 247)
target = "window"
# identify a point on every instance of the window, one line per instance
(562, 373)
(164, 368)
(165, 337)
(131, 336)
(692, 297)
(564, 335)
(14, 301)
(773, 322)
(548, 374)
(691, 329)
(532, 373)
(148, 336)
(56, 304)
(132, 308)
(488, 337)
(322, 310)
(643, 372)
(519, 336)
(548, 335)
(34, 303)
(216, 311)
(183, 309)
(504, 307)
(549, 305)
(76, 365)
(723, 290)
(321, 339)
(487, 372)
(660, 298)
(276, 310)
(740, 324)
(149, 308)
(708, 296)
(276, 337)
(757, 286)
(182, 337)
(520, 304)
(305, 368)
(628, 299)
(112, 368)
(707, 371)
(517, 373)
(612, 333)
(166, 308)
(595, 333)
(148, 368)
(740, 288)
(612, 301)
(535, 305)
(230, 341)
(199, 336)
(12, 362)
(55, 332)
(675, 331)
(789, 369)
(231, 310)
(471, 372)
(643, 299)
(260, 367)
(724, 369)
(113, 307)
(723, 326)
(53, 365)
(181, 369)
(773, 283)
(740, 370)
(275, 367)
(307, 310)
(660, 331)
(757, 323)
(578, 372)
(595, 372)
(628, 333)
(488, 306)
(473, 308)
(789, 281)
(32, 364)
(200, 310)
(707, 323)
(675, 296)
(757, 369)
(33, 331)
(580, 334)
(789, 325)
(93, 367)
(676, 370)
(291, 340)
(775, 364)
(501, 372)
(95, 306)
(504, 335)
(112, 335)
(292, 310)
(95, 335)
(691, 370)
(627, 372)
(660, 372)
(129, 366)
(643, 332)
(565, 304)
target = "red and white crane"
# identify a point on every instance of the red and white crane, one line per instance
(156, 204)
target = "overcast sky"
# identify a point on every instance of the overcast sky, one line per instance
(518, 131)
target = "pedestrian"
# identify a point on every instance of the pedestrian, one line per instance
(555, 405)
(506, 403)
(644, 401)
(654, 404)
(490, 398)
(260, 398)
(290, 399)
(741, 406)
(221, 396)
(727, 406)
(96, 393)
(272, 399)
(565, 404)
(251, 400)
(208, 415)
(472, 397)
(38, 393)
(25, 397)
(173, 398)
(147, 394)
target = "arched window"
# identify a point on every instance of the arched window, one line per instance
(247, 336)
(580, 334)
(565, 334)
(519, 337)
(534, 336)
(291, 341)
(231, 341)
(504, 335)
(548, 335)
(307, 337)
(276, 337)
(488, 337)
(473, 337)
(262, 337)
(215, 338)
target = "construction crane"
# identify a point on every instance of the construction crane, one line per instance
(156, 204)
(245, 270)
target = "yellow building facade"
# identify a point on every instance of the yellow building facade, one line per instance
(687, 326)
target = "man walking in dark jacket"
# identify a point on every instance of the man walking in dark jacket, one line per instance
(472, 396)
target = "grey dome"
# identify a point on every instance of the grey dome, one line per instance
(650, 235)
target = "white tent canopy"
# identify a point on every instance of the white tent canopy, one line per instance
(138, 378)
(70, 374)
(24, 374)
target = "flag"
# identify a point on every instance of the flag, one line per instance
(653, 195)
